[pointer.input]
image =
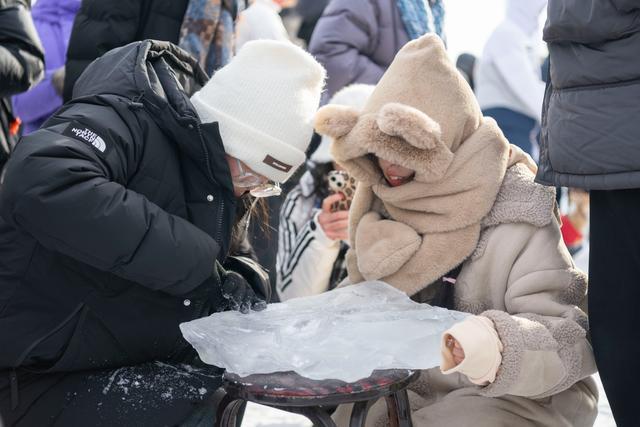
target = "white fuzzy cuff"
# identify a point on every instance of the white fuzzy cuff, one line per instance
(482, 348)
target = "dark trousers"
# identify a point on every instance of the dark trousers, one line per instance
(153, 394)
(517, 127)
(614, 298)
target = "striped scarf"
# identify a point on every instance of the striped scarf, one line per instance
(422, 16)
(207, 31)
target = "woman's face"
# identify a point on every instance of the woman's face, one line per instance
(395, 175)
(243, 177)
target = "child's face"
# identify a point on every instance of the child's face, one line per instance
(395, 175)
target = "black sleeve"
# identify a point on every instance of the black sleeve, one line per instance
(99, 26)
(21, 54)
(74, 200)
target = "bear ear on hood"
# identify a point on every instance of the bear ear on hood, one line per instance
(410, 124)
(336, 121)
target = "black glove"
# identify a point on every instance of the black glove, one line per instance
(252, 272)
(239, 295)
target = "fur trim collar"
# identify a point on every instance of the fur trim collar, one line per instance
(521, 200)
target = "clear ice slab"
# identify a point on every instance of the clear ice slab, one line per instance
(344, 334)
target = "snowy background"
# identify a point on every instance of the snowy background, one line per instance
(469, 24)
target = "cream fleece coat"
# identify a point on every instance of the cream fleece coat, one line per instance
(485, 212)
(434, 127)
(523, 280)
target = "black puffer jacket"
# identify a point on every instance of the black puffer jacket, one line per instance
(112, 216)
(102, 25)
(21, 63)
(590, 129)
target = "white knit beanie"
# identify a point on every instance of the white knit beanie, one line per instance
(264, 101)
(356, 96)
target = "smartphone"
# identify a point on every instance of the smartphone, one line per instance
(340, 182)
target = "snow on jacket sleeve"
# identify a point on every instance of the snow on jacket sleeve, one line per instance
(73, 200)
(345, 35)
(305, 255)
(543, 332)
(21, 54)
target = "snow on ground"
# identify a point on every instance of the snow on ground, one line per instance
(605, 418)
(262, 416)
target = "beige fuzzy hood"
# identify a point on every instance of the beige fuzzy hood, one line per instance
(424, 116)
(420, 113)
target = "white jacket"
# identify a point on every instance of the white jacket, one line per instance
(260, 21)
(508, 74)
(306, 256)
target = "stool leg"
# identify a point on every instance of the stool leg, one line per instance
(316, 415)
(240, 414)
(229, 410)
(359, 413)
(399, 409)
(229, 417)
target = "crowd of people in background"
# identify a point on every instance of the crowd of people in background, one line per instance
(217, 85)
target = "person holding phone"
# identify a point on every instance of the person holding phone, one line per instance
(313, 234)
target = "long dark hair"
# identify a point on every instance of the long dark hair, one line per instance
(253, 215)
(249, 211)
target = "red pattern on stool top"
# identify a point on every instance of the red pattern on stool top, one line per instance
(292, 385)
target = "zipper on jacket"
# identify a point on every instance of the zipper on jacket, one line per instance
(206, 152)
(220, 214)
(222, 204)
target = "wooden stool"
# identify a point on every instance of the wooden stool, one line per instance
(290, 392)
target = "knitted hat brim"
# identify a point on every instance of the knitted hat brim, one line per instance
(271, 158)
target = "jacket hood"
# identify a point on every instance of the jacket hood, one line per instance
(525, 14)
(159, 77)
(419, 116)
(137, 70)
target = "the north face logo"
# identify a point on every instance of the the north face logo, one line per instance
(91, 137)
(84, 134)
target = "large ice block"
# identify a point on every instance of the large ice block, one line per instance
(344, 334)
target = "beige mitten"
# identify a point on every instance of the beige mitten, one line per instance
(383, 246)
(482, 348)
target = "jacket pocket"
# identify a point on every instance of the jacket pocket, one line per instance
(93, 346)
(47, 352)
(84, 342)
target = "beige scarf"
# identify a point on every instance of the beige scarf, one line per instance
(409, 236)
